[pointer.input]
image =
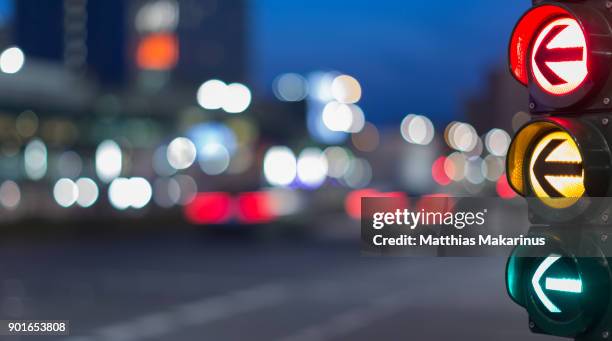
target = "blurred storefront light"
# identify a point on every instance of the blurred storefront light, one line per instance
(133, 192)
(346, 89)
(279, 166)
(237, 99)
(497, 142)
(11, 60)
(181, 153)
(337, 116)
(212, 94)
(10, 195)
(87, 192)
(35, 159)
(312, 167)
(461, 136)
(215, 94)
(417, 129)
(157, 16)
(158, 51)
(108, 160)
(65, 192)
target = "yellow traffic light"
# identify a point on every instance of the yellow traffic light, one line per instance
(556, 170)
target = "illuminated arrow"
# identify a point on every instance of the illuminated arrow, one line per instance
(543, 168)
(555, 284)
(544, 55)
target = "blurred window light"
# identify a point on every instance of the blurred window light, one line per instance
(87, 192)
(461, 136)
(181, 153)
(213, 158)
(27, 123)
(157, 51)
(108, 160)
(280, 166)
(337, 116)
(346, 89)
(133, 192)
(157, 16)
(454, 166)
(358, 119)
(140, 191)
(290, 87)
(368, 139)
(312, 167)
(359, 174)
(417, 129)
(11, 60)
(338, 161)
(497, 142)
(69, 164)
(10, 195)
(65, 192)
(209, 208)
(212, 94)
(119, 193)
(35, 157)
(237, 98)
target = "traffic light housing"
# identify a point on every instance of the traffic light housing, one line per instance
(562, 164)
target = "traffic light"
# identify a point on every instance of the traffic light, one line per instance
(561, 163)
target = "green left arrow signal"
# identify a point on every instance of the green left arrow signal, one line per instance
(568, 285)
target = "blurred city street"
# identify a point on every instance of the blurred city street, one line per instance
(205, 286)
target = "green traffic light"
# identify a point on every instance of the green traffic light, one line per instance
(568, 285)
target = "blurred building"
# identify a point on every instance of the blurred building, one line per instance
(116, 40)
(494, 107)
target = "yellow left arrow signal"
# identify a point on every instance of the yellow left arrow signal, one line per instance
(556, 170)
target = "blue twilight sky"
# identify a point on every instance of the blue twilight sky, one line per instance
(417, 56)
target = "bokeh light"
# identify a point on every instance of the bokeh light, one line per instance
(417, 129)
(108, 160)
(280, 166)
(35, 159)
(312, 167)
(290, 87)
(181, 153)
(346, 89)
(497, 142)
(11, 60)
(65, 192)
(10, 195)
(87, 192)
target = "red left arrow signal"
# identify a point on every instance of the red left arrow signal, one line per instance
(545, 55)
(559, 55)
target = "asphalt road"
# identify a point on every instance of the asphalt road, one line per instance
(209, 287)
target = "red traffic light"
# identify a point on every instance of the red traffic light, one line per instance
(559, 58)
(562, 52)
